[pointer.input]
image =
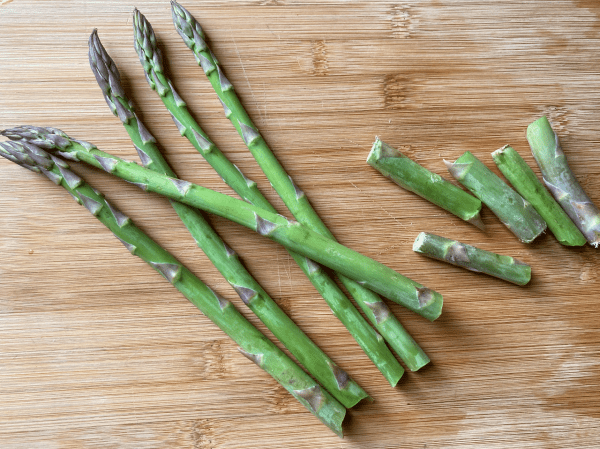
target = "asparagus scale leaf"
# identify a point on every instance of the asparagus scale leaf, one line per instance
(253, 344)
(516, 213)
(319, 365)
(339, 304)
(268, 224)
(294, 198)
(561, 181)
(524, 180)
(472, 258)
(415, 178)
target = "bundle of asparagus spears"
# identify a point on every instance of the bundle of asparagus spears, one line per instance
(325, 389)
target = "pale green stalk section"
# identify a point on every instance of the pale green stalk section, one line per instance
(524, 180)
(515, 212)
(472, 258)
(561, 181)
(341, 306)
(253, 344)
(322, 368)
(415, 178)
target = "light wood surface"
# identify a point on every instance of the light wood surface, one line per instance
(97, 351)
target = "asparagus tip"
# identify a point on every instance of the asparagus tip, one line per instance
(46, 138)
(31, 156)
(176, 7)
(107, 76)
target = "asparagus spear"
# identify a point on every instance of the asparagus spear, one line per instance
(515, 212)
(340, 305)
(472, 258)
(417, 179)
(253, 344)
(295, 200)
(273, 226)
(524, 180)
(561, 181)
(322, 368)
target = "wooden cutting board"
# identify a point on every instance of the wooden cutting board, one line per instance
(97, 351)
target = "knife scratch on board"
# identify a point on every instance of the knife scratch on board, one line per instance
(247, 80)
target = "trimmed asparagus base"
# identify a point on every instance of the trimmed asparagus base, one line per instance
(415, 178)
(561, 181)
(472, 258)
(524, 180)
(511, 208)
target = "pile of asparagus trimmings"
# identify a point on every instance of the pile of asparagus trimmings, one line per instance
(572, 218)
(310, 243)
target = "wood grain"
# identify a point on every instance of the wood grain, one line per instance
(96, 351)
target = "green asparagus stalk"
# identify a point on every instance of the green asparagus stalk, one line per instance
(319, 365)
(417, 179)
(295, 199)
(561, 181)
(340, 305)
(472, 258)
(253, 344)
(511, 208)
(524, 180)
(273, 226)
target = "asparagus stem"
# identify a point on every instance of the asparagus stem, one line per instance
(331, 376)
(511, 208)
(293, 197)
(340, 305)
(524, 180)
(253, 344)
(273, 226)
(472, 258)
(561, 181)
(417, 179)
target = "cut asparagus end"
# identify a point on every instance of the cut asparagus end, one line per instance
(430, 186)
(511, 208)
(381, 150)
(500, 151)
(472, 258)
(526, 183)
(419, 242)
(561, 181)
(477, 221)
